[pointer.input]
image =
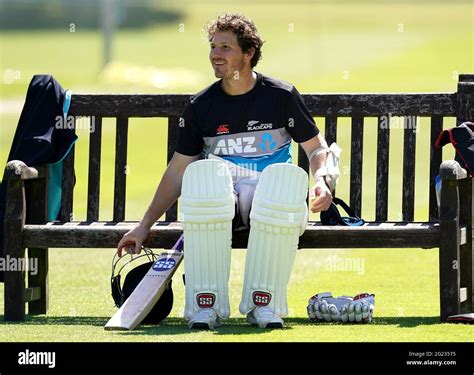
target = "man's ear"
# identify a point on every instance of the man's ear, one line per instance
(250, 53)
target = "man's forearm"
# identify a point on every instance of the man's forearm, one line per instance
(319, 161)
(166, 194)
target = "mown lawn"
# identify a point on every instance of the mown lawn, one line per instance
(405, 282)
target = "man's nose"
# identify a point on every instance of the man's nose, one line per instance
(215, 53)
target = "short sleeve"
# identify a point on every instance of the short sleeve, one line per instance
(300, 125)
(190, 140)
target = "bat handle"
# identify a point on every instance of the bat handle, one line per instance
(179, 245)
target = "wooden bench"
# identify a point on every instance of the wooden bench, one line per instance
(26, 226)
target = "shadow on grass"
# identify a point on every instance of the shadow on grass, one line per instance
(59, 320)
(234, 326)
(171, 326)
(407, 321)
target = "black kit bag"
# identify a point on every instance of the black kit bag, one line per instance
(333, 217)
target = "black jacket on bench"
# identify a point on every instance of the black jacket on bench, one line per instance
(38, 140)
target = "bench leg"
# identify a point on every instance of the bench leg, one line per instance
(450, 281)
(449, 251)
(39, 278)
(14, 295)
(15, 285)
(466, 214)
(467, 280)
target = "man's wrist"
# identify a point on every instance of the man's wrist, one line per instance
(321, 178)
(320, 173)
(145, 223)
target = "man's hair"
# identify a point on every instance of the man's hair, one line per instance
(243, 28)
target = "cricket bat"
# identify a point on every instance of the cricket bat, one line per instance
(148, 291)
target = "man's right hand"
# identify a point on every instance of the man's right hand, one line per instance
(132, 241)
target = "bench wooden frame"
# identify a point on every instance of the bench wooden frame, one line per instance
(26, 207)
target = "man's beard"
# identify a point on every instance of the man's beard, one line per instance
(233, 72)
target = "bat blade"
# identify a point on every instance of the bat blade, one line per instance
(148, 291)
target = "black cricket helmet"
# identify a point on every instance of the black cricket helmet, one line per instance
(135, 268)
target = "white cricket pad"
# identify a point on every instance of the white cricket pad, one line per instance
(278, 212)
(207, 210)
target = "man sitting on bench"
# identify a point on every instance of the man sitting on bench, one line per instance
(241, 126)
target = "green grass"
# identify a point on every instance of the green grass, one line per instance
(383, 47)
(404, 282)
(319, 47)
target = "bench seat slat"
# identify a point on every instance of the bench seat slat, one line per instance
(164, 234)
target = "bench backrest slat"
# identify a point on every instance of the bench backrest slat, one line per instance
(330, 131)
(357, 143)
(303, 162)
(121, 145)
(435, 157)
(408, 183)
(93, 189)
(173, 130)
(381, 189)
(65, 214)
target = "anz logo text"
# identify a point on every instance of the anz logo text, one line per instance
(229, 146)
(244, 145)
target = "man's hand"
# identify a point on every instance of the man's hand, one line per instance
(321, 197)
(132, 241)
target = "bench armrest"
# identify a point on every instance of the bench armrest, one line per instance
(17, 170)
(451, 170)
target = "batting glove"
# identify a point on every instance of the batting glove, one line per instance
(324, 307)
(360, 310)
